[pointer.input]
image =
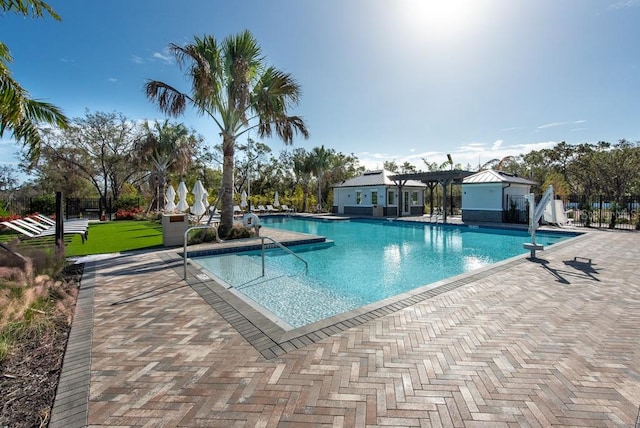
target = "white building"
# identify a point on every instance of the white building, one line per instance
(375, 194)
(486, 195)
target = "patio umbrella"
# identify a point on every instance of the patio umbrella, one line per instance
(198, 207)
(171, 199)
(276, 202)
(182, 197)
(243, 201)
(205, 198)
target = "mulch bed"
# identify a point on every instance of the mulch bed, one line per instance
(29, 379)
(29, 375)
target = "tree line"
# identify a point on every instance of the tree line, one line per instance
(111, 156)
(108, 155)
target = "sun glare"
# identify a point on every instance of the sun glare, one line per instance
(439, 18)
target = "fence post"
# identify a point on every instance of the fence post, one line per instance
(59, 223)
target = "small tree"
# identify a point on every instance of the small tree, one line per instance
(100, 148)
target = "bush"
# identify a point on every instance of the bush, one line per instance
(202, 235)
(236, 232)
(9, 217)
(131, 214)
(127, 203)
(45, 204)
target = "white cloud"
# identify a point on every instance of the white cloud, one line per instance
(554, 124)
(468, 155)
(163, 56)
(136, 59)
(621, 4)
(112, 79)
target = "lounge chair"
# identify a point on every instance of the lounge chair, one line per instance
(72, 225)
(237, 211)
(286, 208)
(29, 232)
(270, 209)
(80, 222)
(556, 214)
(261, 208)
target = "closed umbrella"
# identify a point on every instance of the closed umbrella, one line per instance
(243, 200)
(276, 202)
(198, 207)
(205, 198)
(171, 199)
(182, 197)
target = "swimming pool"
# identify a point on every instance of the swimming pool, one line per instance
(368, 260)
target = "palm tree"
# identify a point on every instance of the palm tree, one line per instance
(18, 112)
(320, 160)
(303, 165)
(167, 148)
(498, 164)
(232, 84)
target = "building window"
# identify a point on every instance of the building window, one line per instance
(414, 198)
(374, 197)
(358, 197)
(391, 198)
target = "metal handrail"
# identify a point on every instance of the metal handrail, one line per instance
(278, 244)
(262, 238)
(186, 236)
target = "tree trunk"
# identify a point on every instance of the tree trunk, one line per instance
(305, 193)
(319, 207)
(226, 217)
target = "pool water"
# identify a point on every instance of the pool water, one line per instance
(369, 260)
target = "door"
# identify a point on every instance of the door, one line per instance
(406, 203)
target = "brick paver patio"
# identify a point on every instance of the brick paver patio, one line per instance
(548, 343)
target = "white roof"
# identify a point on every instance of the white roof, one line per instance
(377, 178)
(491, 176)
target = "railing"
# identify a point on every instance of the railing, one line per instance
(262, 238)
(306, 265)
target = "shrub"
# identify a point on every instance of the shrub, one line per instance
(127, 203)
(9, 217)
(130, 214)
(239, 232)
(202, 235)
(45, 204)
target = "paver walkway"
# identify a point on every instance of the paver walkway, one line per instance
(550, 343)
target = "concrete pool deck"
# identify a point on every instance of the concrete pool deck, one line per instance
(551, 342)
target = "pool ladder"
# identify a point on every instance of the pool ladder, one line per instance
(262, 247)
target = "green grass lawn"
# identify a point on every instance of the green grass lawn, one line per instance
(107, 237)
(116, 236)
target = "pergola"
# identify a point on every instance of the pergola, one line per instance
(431, 179)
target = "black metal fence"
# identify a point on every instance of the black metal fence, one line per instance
(600, 212)
(516, 210)
(584, 211)
(89, 208)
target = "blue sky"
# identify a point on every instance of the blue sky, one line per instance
(384, 80)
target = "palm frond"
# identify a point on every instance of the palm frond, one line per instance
(35, 8)
(170, 101)
(21, 115)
